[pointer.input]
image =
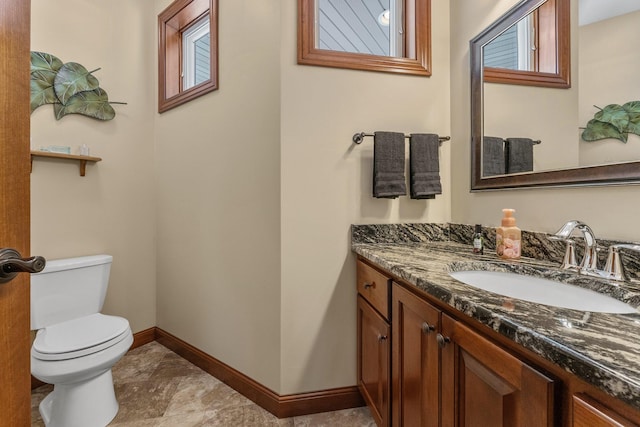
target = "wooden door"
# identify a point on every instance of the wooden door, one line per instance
(374, 362)
(483, 385)
(14, 210)
(416, 361)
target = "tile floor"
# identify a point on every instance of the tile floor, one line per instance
(158, 388)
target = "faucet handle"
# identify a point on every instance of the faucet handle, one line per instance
(614, 268)
(569, 261)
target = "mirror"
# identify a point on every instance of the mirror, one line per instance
(556, 116)
(376, 35)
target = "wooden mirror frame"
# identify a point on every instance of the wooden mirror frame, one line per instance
(620, 173)
(308, 54)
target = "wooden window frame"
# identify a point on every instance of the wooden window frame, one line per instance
(418, 38)
(177, 17)
(553, 50)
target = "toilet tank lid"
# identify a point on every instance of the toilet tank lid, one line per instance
(76, 262)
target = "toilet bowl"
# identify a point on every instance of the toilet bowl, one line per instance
(76, 346)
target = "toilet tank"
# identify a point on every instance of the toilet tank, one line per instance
(69, 288)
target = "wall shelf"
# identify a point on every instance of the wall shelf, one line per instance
(81, 159)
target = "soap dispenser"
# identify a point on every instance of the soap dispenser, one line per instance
(508, 236)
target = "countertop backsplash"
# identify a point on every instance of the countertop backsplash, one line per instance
(535, 244)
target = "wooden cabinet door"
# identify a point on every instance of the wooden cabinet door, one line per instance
(415, 358)
(587, 412)
(483, 385)
(374, 361)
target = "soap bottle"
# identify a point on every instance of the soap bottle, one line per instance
(508, 237)
(478, 240)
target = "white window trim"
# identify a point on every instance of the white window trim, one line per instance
(189, 37)
(526, 45)
(396, 29)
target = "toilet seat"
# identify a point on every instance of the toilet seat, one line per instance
(79, 337)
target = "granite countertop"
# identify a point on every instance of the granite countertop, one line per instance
(602, 349)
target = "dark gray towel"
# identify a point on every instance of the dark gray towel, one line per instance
(388, 165)
(493, 160)
(518, 153)
(424, 165)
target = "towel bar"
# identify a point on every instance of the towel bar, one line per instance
(359, 137)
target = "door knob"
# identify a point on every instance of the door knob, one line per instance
(12, 263)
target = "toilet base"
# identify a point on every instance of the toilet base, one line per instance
(90, 403)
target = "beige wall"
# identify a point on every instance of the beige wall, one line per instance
(326, 187)
(279, 184)
(611, 211)
(111, 209)
(218, 200)
(608, 75)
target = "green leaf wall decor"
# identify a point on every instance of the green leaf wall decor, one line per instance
(92, 103)
(614, 121)
(69, 87)
(73, 78)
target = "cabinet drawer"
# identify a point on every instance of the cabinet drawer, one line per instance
(374, 287)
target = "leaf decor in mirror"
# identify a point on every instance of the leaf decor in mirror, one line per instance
(69, 87)
(614, 121)
(392, 36)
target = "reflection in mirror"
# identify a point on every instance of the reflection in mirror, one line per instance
(377, 35)
(604, 74)
(533, 51)
(514, 49)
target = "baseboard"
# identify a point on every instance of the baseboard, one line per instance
(284, 406)
(143, 337)
(281, 406)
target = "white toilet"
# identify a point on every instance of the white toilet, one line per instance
(76, 345)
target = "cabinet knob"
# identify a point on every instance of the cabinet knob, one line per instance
(382, 338)
(427, 328)
(442, 340)
(368, 285)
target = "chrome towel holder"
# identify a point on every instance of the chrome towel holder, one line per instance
(359, 137)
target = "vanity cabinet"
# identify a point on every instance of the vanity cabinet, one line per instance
(416, 360)
(484, 385)
(423, 363)
(446, 374)
(374, 342)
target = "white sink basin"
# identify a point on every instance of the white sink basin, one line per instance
(542, 291)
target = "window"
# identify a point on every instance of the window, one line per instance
(392, 36)
(196, 64)
(373, 27)
(188, 52)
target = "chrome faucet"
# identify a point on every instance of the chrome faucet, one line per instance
(613, 269)
(590, 258)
